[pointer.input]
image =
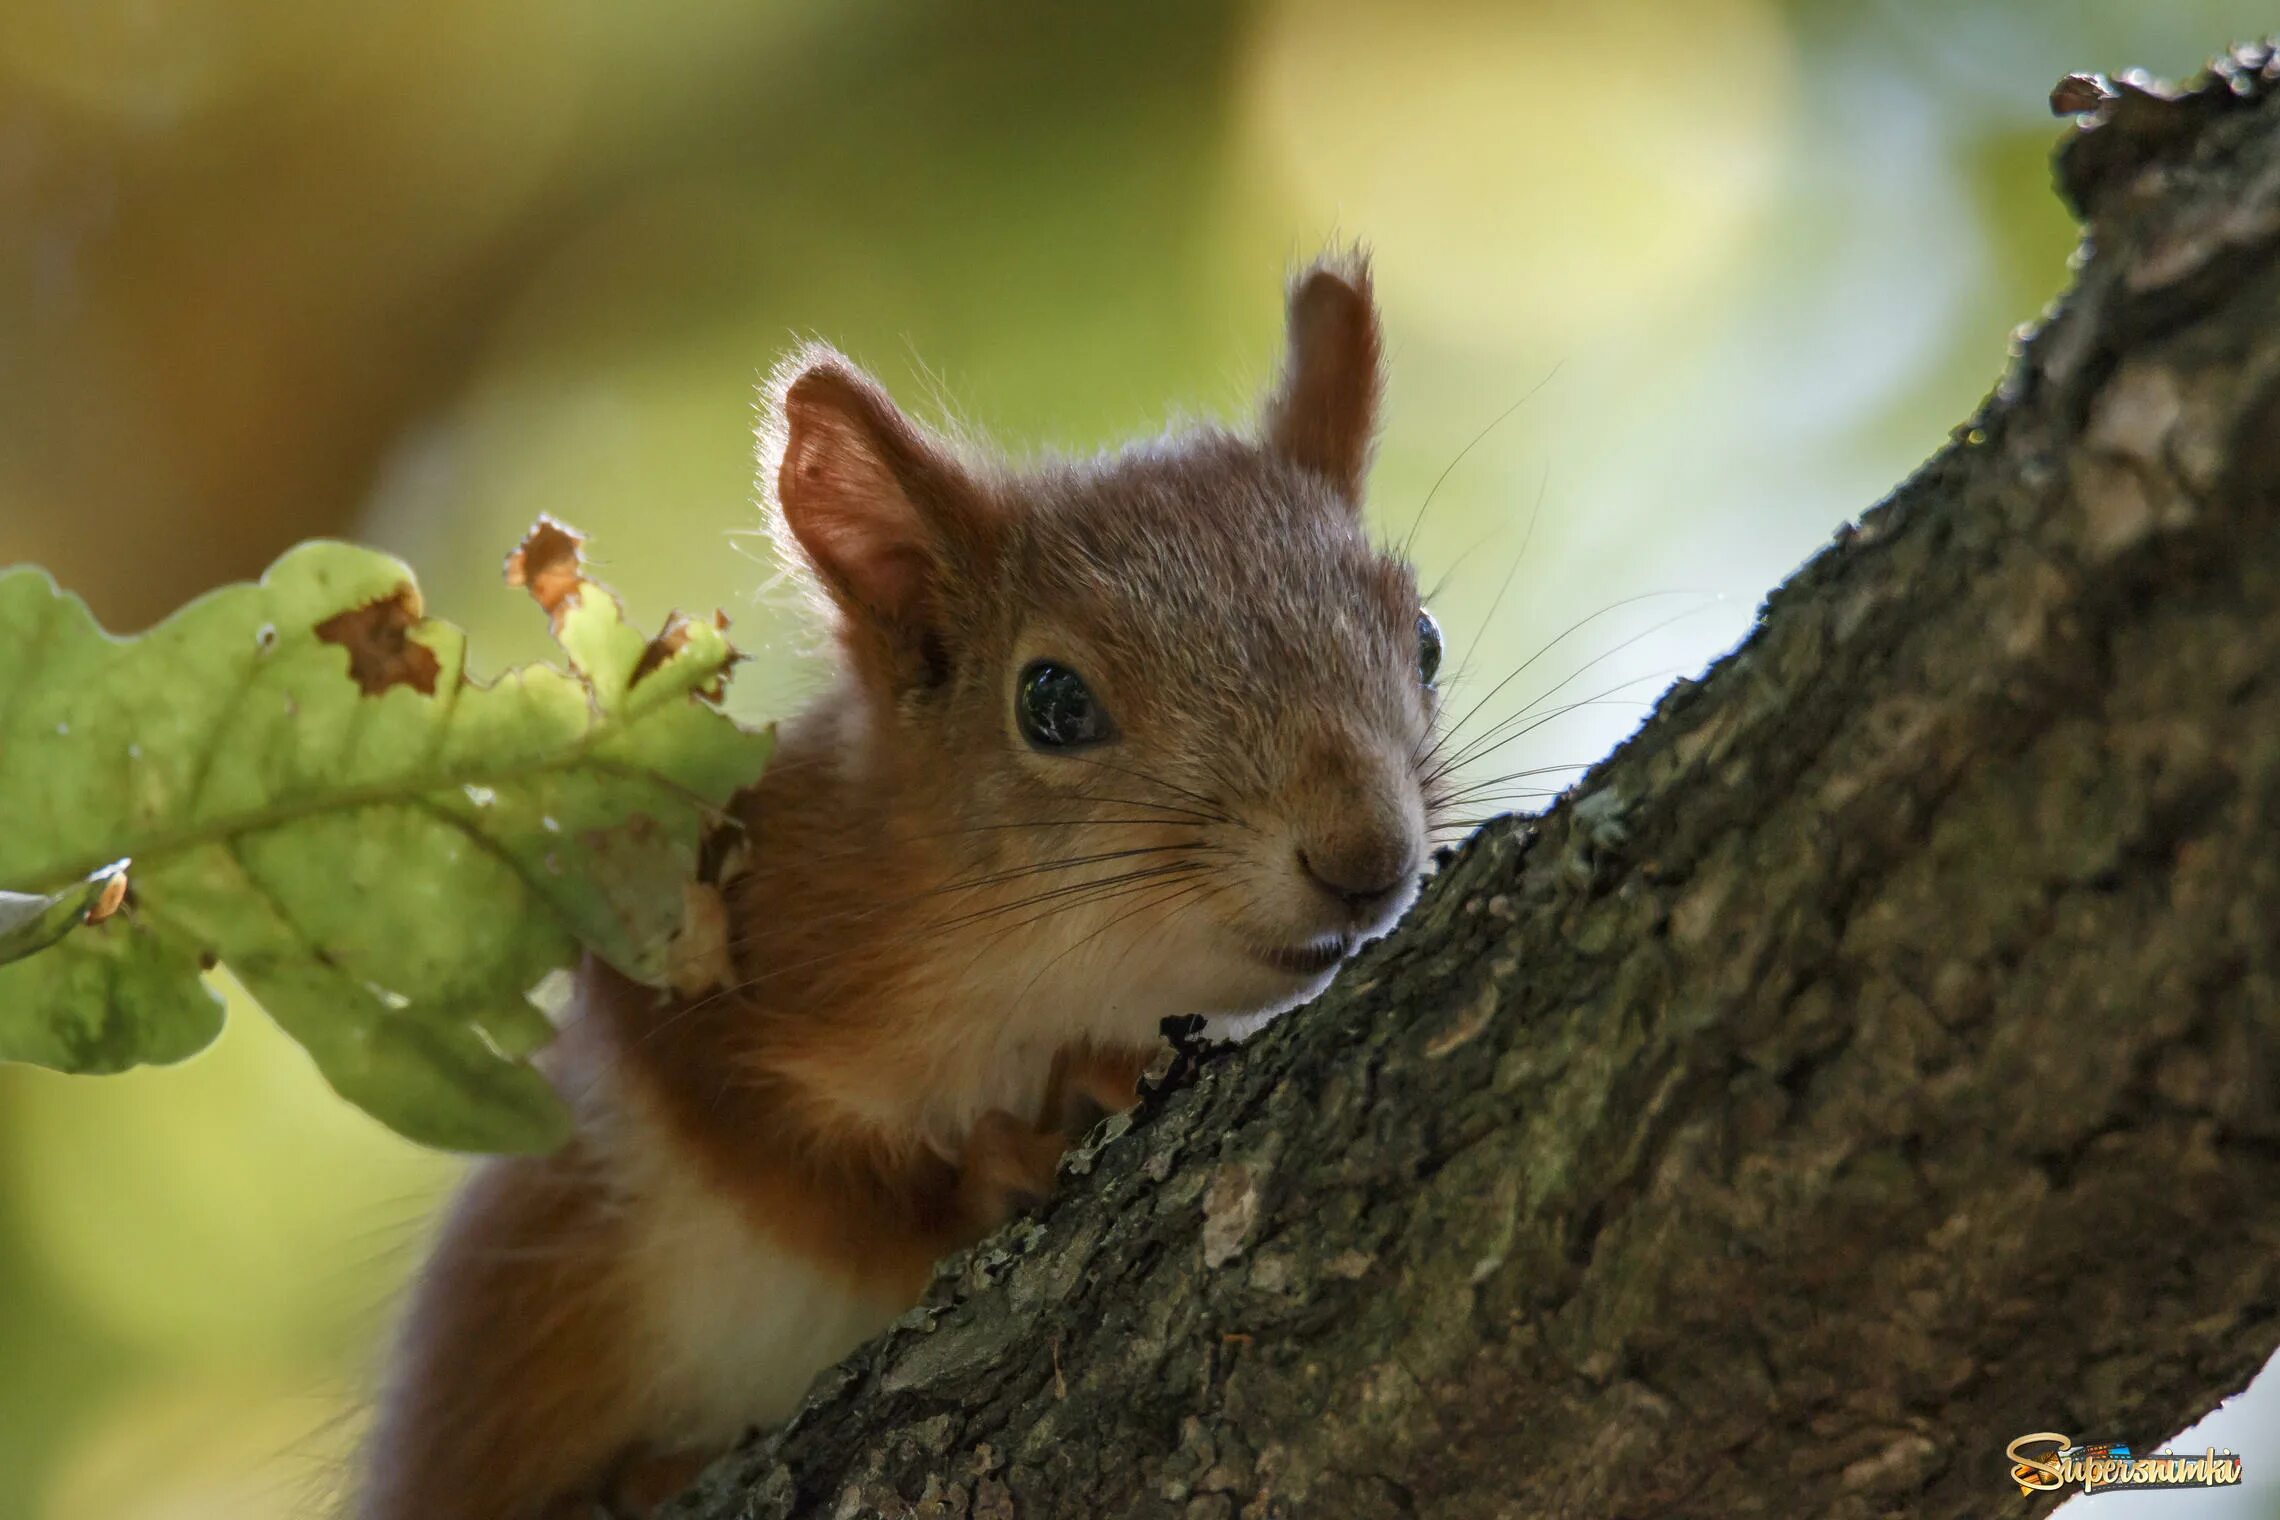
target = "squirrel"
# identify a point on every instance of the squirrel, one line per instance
(1109, 742)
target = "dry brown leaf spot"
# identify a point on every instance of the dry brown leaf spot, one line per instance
(725, 853)
(381, 650)
(699, 957)
(548, 564)
(671, 640)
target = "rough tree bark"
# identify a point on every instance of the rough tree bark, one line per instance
(1876, 1059)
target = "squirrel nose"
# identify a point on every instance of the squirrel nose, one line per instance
(1363, 873)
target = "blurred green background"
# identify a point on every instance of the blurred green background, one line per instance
(414, 273)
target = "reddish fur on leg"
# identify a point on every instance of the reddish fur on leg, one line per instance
(510, 1389)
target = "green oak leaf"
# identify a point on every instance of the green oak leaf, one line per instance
(386, 853)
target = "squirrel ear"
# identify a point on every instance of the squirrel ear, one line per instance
(873, 505)
(1323, 412)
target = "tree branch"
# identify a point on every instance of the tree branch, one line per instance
(1874, 1060)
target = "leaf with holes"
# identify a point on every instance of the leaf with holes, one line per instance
(388, 854)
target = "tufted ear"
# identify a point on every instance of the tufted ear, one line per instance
(1322, 414)
(877, 509)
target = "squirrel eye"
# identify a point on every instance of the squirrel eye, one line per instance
(1428, 647)
(1056, 709)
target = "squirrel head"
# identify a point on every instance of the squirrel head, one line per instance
(1158, 719)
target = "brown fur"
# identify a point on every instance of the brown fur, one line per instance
(951, 947)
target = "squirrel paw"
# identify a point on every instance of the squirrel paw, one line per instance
(1009, 1162)
(1089, 1085)
(1008, 1166)
(637, 1485)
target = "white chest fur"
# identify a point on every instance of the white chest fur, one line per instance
(736, 1327)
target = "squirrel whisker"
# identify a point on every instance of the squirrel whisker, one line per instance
(1494, 738)
(1450, 731)
(1166, 898)
(1410, 538)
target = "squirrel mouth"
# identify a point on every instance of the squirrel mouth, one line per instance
(1314, 956)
